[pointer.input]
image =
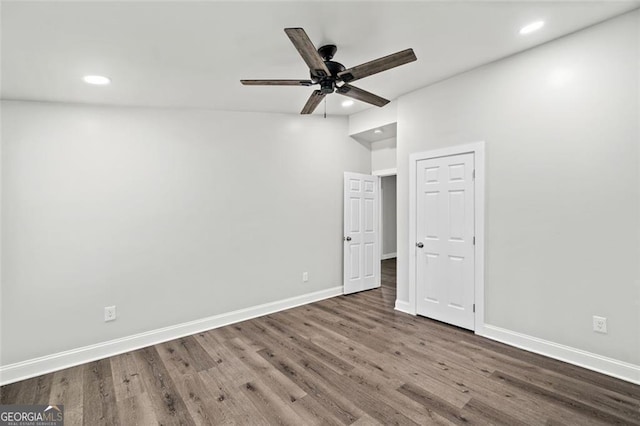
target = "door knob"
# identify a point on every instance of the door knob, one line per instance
(347, 238)
(419, 245)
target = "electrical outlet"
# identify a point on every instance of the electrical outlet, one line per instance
(109, 313)
(305, 277)
(600, 324)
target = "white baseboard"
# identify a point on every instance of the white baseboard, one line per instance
(403, 306)
(34, 367)
(601, 364)
(388, 256)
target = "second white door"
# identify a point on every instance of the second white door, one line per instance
(361, 235)
(445, 264)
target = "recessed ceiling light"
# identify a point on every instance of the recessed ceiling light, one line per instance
(347, 103)
(98, 80)
(377, 131)
(534, 26)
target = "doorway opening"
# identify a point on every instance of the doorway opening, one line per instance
(388, 225)
(388, 222)
(388, 228)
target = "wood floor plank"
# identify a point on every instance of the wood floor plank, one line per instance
(556, 398)
(594, 396)
(302, 328)
(225, 360)
(226, 378)
(384, 388)
(184, 359)
(201, 403)
(359, 392)
(278, 383)
(176, 358)
(287, 337)
(235, 406)
(348, 360)
(354, 353)
(361, 320)
(352, 331)
(35, 390)
(135, 410)
(587, 376)
(99, 401)
(340, 407)
(366, 421)
(126, 378)
(170, 409)
(67, 389)
(491, 414)
(9, 393)
(386, 364)
(436, 376)
(275, 410)
(343, 304)
(480, 387)
(198, 357)
(43, 389)
(437, 404)
(25, 392)
(313, 413)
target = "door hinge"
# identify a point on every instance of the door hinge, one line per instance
(473, 174)
(474, 241)
(474, 307)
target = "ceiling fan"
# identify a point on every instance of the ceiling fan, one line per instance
(333, 76)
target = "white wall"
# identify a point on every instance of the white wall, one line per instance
(372, 118)
(171, 215)
(383, 154)
(563, 183)
(389, 223)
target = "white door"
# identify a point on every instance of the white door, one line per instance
(445, 264)
(361, 234)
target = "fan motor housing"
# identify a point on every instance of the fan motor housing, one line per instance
(328, 82)
(327, 86)
(334, 69)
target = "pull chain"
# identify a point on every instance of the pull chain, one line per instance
(325, 107)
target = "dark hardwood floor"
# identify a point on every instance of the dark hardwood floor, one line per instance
(346, 360)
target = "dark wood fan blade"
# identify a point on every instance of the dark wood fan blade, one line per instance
(361, 95)
(276, 82)
(314, 100)
(377, 65)
(307, 50)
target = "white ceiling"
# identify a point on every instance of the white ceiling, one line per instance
(192, 54)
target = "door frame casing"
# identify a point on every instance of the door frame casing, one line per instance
(381, 174)
(478, 149)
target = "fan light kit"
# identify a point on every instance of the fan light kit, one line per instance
(332, 76)
(377, 131)
(97, 80)
(347, 103)
(534, 26)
